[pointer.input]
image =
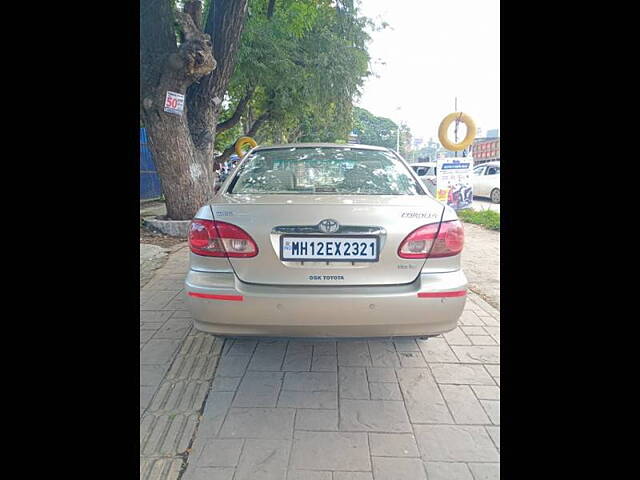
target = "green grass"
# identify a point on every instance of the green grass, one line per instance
(486, 218)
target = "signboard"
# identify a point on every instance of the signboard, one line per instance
(174, 103)
(455, 182)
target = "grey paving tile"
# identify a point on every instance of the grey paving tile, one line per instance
(295, 399)
(268, 356)
(298, 357)
(157, 317)
(258, 423)
(494, 433)
(389, 468)
(352, 476)
(215, 410)
(151, 375)
(460, 374)
(156, 300)
(406, 344)
(232, 365)
(145, 395)
(174, 328)
(492, 407)
(381, 375)
(330, 451)
(422, 397)
(353, 354)
(353, 383)
(157, 352)
(373, 416)
(324, 347)
(263, 459)
(393, 445)
(259, 389)
(477, 354)
(494, 370)
(473, 330)
(456, 337)
(242, 346)
(317, 420)
(308, 475)
(225, 384)
(220, 453)
(182, 314)
(464, 405)
(448, 471)
(311, 381)
(146, 335)
(212, 473)
(486, 340)
(486, 392)
(469, 318)
(324, 363)
(490, 321)
(437, 350)
(485, 471)
(455, 443)
(383, 354)
(385, 391)
(412, 359)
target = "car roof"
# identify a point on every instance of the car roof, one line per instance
(321, 145)
(494, 163)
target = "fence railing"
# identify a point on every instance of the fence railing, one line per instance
(150, 186)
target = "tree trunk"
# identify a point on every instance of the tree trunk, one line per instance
(183, 149)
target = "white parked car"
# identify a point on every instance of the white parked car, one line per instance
(427, 173)
(486, 181)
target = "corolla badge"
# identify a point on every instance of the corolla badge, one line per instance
(328, 226)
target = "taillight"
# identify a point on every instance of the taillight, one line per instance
(428, 241)
(220, 239)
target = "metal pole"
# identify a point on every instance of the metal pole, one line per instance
(455, 109)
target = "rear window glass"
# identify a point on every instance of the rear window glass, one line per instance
(324, 170)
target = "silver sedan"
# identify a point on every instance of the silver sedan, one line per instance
(325, 240)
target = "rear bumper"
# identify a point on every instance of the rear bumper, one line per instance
(223, 305)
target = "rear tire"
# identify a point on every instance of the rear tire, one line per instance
(495, 195)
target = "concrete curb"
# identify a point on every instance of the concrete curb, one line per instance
(173, 228)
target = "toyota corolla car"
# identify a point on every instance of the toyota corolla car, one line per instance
(325, 240)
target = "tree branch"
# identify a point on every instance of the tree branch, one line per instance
(270, 8)
(235, 118)
(257, 124)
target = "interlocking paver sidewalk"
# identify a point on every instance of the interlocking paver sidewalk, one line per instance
(315, 409)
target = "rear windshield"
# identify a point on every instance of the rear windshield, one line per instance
(324, 170)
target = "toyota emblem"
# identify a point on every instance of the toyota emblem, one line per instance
(328, 226)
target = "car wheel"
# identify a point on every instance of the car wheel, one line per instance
(495, 195)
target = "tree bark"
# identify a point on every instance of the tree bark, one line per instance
(183, 149)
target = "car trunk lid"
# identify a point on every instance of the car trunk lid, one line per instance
(269, 218)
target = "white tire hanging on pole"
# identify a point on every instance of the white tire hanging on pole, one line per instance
(444, 126)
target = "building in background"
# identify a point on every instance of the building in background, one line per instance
(486, 149)
(495, 133)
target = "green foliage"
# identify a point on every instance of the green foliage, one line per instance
(306, 65)
(372, 130)
(486, 218)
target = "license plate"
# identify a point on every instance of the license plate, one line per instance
(329, 249)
